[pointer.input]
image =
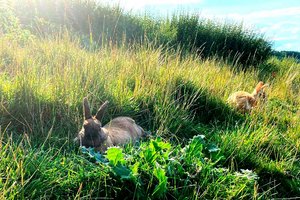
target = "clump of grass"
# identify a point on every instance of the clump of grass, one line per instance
(98, 24)
(212, 39)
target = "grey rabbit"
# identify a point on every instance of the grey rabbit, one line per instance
(118, 131)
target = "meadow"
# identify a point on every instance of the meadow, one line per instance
(199, 147)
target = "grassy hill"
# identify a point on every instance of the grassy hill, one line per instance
(96, 25)
(199, 146)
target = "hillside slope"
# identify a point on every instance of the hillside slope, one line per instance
(43, 82)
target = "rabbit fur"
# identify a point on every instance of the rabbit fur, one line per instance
(244, 101)
(118, 131)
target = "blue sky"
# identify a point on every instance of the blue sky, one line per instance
(279, 20)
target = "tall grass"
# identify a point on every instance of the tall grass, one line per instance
(43, 81)
(174, 87)
(98, 25)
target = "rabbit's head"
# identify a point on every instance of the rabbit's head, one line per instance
(259, 91)
(262, 96)
(92, 134)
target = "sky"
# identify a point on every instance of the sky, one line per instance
(278, 20)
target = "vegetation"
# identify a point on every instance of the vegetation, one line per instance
(283, 54)
(98, 25)
(199, 146)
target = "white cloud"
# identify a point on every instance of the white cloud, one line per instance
(263, 14)
(256, 15)
(284, 38)
(288, 47)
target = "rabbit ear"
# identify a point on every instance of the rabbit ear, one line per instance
(264, 86)
(259, 86)
(101, 111)
(86, 109)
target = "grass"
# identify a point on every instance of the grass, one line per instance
(44, 81)
(98, 24)
(199, 146)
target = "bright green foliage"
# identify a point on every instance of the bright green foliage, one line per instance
(165, 95)
(170, 168)
(194, 149)
(179, 99)
(10, 26)
(117, 161)
(115, 156)
(161, 188)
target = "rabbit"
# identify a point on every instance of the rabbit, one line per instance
(244, 101)
(118, 131)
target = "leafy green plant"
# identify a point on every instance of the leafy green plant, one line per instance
(157, 166)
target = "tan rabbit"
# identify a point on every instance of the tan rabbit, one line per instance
(120, 130)
(245, 101)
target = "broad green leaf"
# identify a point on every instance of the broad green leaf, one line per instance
(194, 149)
(122, 171)
(149, 155)
(135, 169)
(161, 188)
(115, 156)
(160, 145)
(93, 154)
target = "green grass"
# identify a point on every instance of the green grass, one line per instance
(175, 93)
(43, 82)
(97, 25)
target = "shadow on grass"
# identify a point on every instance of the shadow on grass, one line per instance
(185, 111)
(27, 113)
(284, 185)
(204, 106)
(271, 182)
(192, 110)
